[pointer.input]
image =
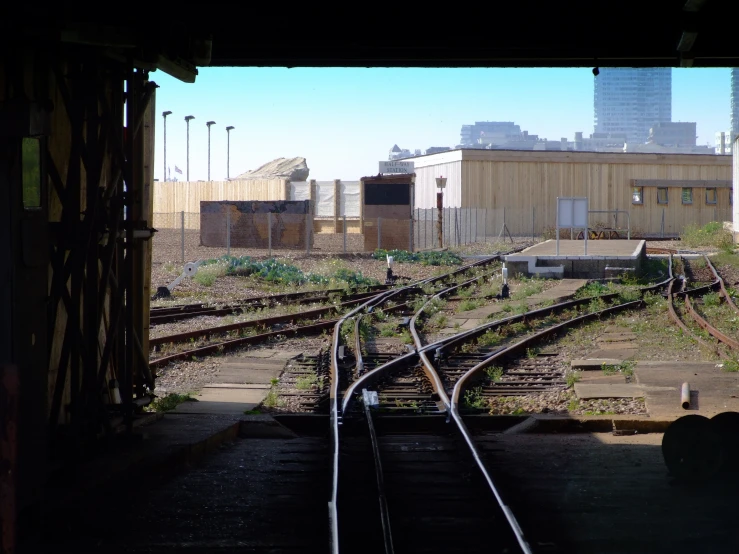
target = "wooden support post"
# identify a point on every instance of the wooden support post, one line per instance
(361, 207)
(337, 203)
(440, 214)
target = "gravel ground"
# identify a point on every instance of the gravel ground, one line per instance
(233, 288)
(189, 376)
(563, 402)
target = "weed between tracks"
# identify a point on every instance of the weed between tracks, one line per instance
(169, 402)
(711, 235)
(563, 402)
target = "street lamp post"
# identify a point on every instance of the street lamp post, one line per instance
(187, 120)
(228, 151)
(164, 115)
(209, 124)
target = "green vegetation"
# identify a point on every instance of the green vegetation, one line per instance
(467, 305)
(711, 235)
(489, 338)
(474, 399)
(532, 352)
(169, 402)
(466, 292)
(274, 271)
(725, 258)
(628, 295)
(626, 368)
(731, 365)
(388, 330)
(406, 337)
(306, 382)
(593, 289)
(573, 405)
(528, 287)
(424, 258)
(711, 299)
(495, 373)
(572, 377)
(272, 399)
(204, 279)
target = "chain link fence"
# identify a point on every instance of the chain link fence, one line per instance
(180, 237)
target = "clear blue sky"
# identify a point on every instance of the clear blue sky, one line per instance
(344, 120)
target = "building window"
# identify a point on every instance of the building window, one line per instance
(661, 195)
(711, 196)
(687, 196)
(637, 197)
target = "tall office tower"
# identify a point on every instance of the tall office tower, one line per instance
(734, 103)
(632, 100)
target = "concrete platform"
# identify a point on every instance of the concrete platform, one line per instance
(604, 258)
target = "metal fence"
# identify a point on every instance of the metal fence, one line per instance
(180, 238)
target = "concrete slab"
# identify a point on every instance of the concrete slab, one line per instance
(243, 376)
(223, 402)
(593, 363)
(625, 351)
(617, 337)
(598, 377)
(714, 391)
(588, 391)
(607, 349)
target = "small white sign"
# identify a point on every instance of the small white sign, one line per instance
(572, 213)
(396, 167)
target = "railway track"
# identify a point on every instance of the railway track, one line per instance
(686, 314)
(289, 325)
(434, 378)
(171, 314)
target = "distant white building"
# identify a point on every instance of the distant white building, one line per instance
(723, 143)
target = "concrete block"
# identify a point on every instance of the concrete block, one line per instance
(588, 391)
(593, 364)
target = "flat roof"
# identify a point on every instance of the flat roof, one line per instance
(568, 156)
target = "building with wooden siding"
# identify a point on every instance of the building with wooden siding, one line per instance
(677, 189)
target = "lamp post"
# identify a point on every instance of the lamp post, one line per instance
(209, 124)
(164, 115)
(440, 183)
(228, 151)
(187, 120)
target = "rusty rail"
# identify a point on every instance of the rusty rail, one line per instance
(170, 315)
(685, 294)
(305, 330)
(263, 322)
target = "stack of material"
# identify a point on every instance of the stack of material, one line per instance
(294, 169)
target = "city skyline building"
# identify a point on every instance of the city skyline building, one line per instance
(631, 101)
(734, 123)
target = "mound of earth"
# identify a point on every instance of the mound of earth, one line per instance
(294, 169)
